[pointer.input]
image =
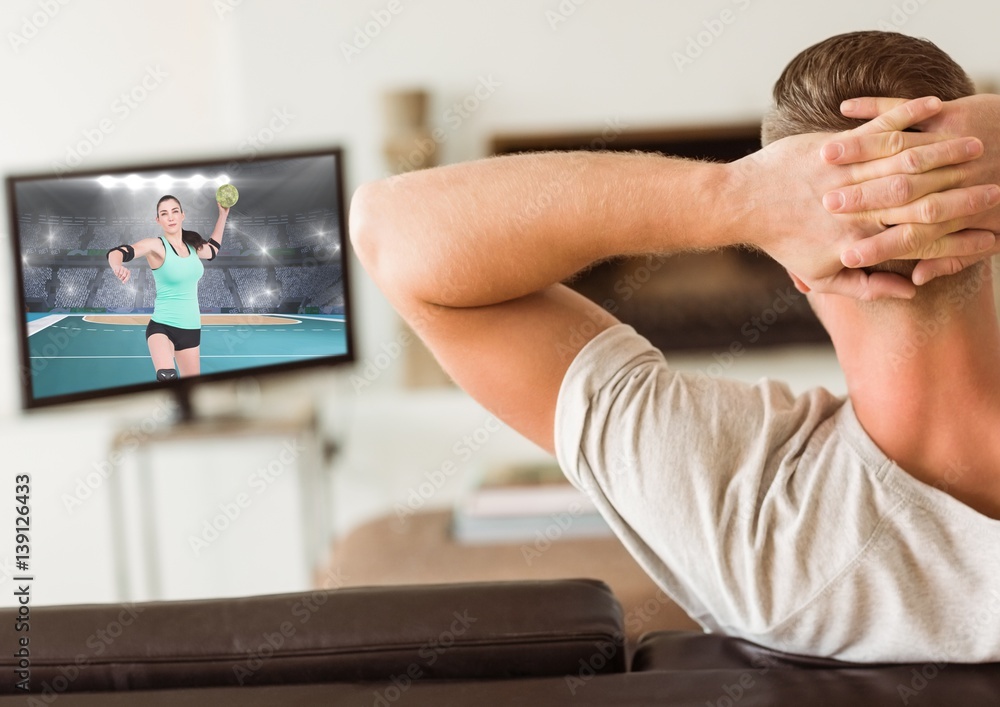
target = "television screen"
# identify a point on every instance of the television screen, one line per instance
(121, 289)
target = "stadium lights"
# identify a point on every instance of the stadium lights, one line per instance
(135, 182)
(163, 182)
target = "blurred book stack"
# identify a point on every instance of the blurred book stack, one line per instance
(525, 503)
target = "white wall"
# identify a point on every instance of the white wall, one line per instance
(227, 65)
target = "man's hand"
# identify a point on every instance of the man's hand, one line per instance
(977, 116)
(785, 184)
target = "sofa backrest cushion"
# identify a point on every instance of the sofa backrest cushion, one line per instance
(394, 634)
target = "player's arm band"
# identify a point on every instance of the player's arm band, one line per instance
(215, 245)
(127, 251)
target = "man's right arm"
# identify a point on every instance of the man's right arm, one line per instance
(471, 254)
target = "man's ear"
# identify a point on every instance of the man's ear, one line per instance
(799, 285)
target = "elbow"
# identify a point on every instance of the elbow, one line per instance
(381, 231)
(363, 225)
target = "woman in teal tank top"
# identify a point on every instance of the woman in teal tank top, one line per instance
(175, 258)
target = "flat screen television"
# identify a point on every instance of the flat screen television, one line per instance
(273, 298)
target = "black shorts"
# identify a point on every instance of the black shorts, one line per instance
(181, 338)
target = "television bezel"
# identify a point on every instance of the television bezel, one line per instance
(182, 386)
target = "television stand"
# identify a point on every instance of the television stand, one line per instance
(182, 398)
(186, 415)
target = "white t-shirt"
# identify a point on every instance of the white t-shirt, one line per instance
(776, 518)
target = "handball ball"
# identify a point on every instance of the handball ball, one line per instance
(227, 195)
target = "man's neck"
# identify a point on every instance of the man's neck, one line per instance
(927, 391)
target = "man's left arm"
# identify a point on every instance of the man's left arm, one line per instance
(471, 256)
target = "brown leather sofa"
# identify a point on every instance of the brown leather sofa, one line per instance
(531, 643)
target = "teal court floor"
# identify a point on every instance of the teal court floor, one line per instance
(75, 353)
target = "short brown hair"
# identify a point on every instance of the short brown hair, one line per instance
(809, 92)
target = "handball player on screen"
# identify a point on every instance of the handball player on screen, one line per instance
(174, 330)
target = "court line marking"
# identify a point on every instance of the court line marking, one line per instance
(331, 318)
(208, 356)
(290, 318)
(42, 323)
(339, 319)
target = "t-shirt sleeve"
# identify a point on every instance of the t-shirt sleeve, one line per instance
(679, 463)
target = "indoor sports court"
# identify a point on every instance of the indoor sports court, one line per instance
(73, 353)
